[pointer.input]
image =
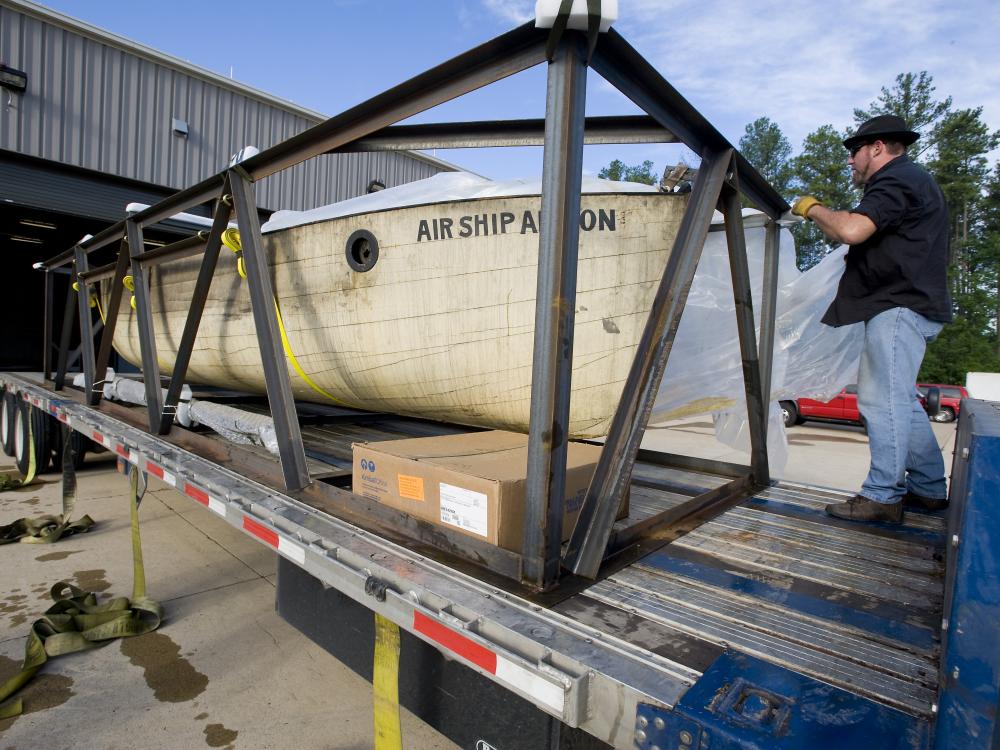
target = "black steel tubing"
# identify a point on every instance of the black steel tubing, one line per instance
(195, 195)
(69, 311)
(743, 299)
(768, 310)
(183, 248)
(630, 73)
(204, 282)
(99, 240)
(555, 303)
(144, 317)
(262, 300)
(493, 133)
(614, 469)
(86, 324)
(49, 311)
(503, 56)
(110, 322)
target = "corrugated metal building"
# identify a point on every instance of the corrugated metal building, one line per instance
(104, 121)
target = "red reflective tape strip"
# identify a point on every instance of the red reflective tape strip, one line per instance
(122, 450)
(63, 417)
(98, 437)
(155, 470)
(261, 532)
(200, 495)
(464, 647)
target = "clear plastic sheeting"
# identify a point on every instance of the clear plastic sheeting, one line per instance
(705, 373)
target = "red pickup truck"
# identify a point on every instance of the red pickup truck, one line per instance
(844, 406)
(841, 408)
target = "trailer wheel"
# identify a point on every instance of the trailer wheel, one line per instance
(8, 406)
(79, 444)
(39, 436)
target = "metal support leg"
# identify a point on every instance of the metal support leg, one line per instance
(69, 313)
(614, 469)
(552, 365)
(768, 309)
(201, 288)
(279, 387)
(144, 316)
(110, 323)
(86, 323)
(743, 298)
(47, 325)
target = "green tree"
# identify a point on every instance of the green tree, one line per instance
(912, 98)
(768, 150)
(821, 170)
(621, 172)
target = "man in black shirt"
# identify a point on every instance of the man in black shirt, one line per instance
(895, 282)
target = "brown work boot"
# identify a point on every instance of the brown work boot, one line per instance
(913, 500)
(860, 508)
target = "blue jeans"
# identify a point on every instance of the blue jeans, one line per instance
(905, 454)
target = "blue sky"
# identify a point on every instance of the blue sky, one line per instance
(801, 64)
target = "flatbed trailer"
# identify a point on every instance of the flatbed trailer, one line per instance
(791, 617)
(727, 610)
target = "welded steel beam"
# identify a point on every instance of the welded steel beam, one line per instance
(198, 298)
(614, 469)
(86, 323)
(183, 248)
(743, 298)
(49, 312)
(499, 58)
(115, 294)
(664, 526)
(768, 310)
(262, 301)
(555, 304)
(144, 318)
(69, 314)
(619, 63)
(195, 195)
(492, 133)
(101, 239)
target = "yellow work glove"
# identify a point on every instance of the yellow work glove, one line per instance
(802, 205)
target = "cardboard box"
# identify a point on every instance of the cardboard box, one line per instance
(472, 482)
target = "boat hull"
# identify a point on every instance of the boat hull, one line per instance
(442, 326)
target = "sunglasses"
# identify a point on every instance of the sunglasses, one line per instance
(854, 151)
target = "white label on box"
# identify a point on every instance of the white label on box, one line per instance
(464, 508)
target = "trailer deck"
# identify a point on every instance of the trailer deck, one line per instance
(854, 606)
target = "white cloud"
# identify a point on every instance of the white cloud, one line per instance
(512, 11)
(805, 66)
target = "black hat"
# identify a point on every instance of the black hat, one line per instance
(884, 127)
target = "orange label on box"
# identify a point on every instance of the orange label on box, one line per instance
(412, 488)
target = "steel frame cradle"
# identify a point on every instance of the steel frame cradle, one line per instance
(723, 174)
(573, 672)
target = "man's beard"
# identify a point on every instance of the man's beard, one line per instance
(857, 178)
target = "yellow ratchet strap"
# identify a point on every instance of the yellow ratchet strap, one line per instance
(385, 685)
(48, 529)
(231, 239)
(76, 622)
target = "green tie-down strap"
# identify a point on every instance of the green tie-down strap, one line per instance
(76, 622)
(43, 529)
(48, 529)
